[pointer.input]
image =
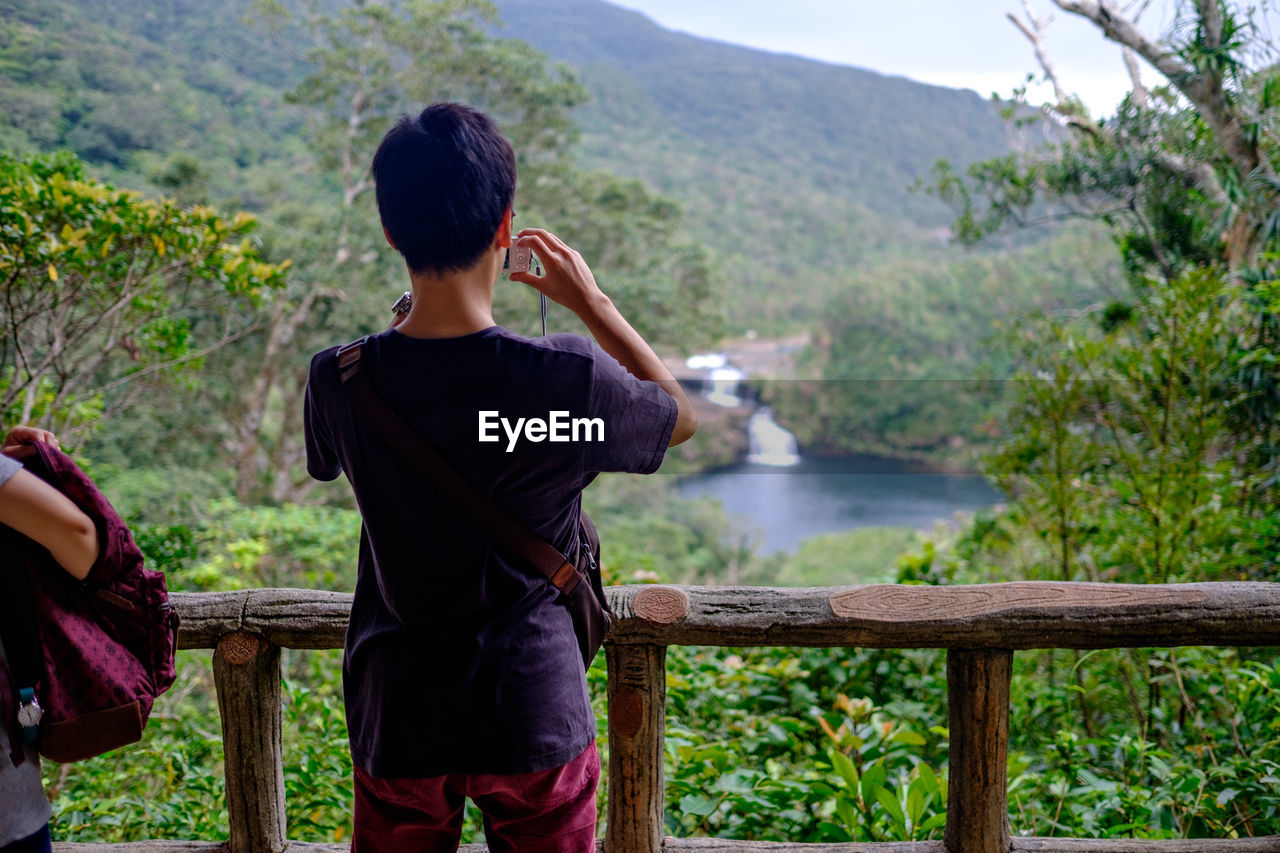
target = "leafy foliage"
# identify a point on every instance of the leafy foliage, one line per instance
(102, 288)
(910, 355)
(169, 784)
(865, 555)
(1119, 450)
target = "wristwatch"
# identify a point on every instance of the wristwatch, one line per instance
(29, 714)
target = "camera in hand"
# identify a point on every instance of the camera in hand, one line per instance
(519, 259)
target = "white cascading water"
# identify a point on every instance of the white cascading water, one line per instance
(768, 443)
(722, 386)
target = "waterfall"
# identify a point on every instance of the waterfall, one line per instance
(722, 386)
(720, 380)
(768, 443)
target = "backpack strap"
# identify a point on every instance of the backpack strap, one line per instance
(504, 527)
(22, 647)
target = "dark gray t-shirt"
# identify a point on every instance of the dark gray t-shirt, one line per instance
(459, 657)
(23, 806)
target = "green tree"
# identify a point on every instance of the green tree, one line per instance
(104, 292)
(1184, 173)
(1160, 405)
(909, 354)
(1139, 442)
(1117, 451)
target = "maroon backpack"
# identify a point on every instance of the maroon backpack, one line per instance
(98, 651)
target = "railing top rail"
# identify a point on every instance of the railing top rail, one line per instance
(1018, 615)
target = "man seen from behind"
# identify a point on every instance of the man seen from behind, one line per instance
(461, 674)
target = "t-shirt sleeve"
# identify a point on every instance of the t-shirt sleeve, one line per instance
(638, 416)
(8, 467)
(322, 456)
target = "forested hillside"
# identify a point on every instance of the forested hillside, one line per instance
(795, 172)
(144, 90)
(797, 176)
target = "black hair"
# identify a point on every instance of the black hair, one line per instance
(444, 180)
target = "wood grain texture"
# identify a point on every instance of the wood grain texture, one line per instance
(246, 672)
(1270, 844)
(978, 708)
(1267, 844)
(290, 618)
(637, 720)
(661, 605)
(887, 602)
(1013, 615)
(1022, 615)
(141, 847)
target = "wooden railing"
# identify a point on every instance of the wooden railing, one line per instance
(979, 626)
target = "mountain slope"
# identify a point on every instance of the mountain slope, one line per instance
(826, 125)
(796, 171)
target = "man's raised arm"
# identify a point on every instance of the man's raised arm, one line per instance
(567, 280)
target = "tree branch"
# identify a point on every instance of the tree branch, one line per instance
(1204, 90)
(1033, 29)
(1065, 102)
(1212, 21)
(1140, 96)
(227, 338)
(1122, 31)
(1199, 175)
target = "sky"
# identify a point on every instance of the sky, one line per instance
(967, 44)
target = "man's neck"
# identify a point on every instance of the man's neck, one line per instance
(451, 305)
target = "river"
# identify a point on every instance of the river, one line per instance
(812, 496)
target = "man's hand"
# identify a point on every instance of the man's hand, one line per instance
(17, 444)
(568, 281)
(566, 278)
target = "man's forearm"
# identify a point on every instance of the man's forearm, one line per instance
(617, 337)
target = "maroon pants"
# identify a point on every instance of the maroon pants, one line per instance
(550, 811)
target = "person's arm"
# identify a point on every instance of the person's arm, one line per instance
(40, 512)
(567, 280)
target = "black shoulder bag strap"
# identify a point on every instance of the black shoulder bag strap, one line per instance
(544, 556)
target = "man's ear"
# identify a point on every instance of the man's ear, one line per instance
(387, 234)
(502, 239)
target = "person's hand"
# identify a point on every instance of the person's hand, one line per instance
(566, 278)
(17, 444)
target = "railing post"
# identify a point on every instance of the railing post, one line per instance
(246, 672)
(978, 699)
(637, 718)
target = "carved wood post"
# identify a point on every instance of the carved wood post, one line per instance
(246, 671)
(637, 716)
(978, 698)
